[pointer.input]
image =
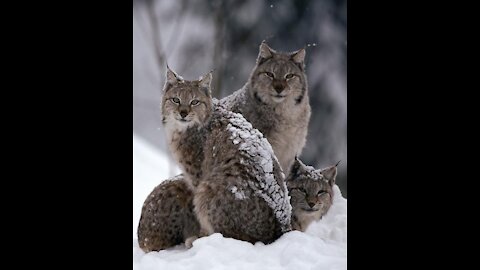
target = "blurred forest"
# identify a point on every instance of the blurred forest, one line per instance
(195, 37)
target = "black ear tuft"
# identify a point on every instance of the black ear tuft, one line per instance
(295, 167)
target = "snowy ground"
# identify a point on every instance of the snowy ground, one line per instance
(322, 246)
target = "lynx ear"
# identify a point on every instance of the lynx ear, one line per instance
(172, 77)
(330, 174)
(299, 56)
(265, 51)
(296, 167)
(205, 82)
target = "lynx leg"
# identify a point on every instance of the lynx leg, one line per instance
(201, 207)
(189, 241)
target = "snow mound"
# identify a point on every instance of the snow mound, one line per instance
(322, 246)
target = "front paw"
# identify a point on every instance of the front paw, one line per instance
(189, 241)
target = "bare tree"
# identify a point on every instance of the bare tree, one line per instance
(157, 44)
(218, 47)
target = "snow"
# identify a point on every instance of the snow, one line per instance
(311, 172)
(322, 246)
(149, 169)
(256, 147)
(239, 194)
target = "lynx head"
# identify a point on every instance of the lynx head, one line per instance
(186, 103)
(311, 190)
(278, 77)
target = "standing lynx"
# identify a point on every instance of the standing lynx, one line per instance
(311, 193)
(239, 187)
(275, 100)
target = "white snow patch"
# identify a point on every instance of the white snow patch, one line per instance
(150, 168)
(256, 148)
(239, 194)
(333, 225)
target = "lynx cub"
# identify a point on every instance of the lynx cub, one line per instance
(239, 187)
(167, 217)
(311, 193)
(275, 100)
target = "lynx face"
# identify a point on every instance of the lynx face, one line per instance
(311, 190)
(186, 103)
(279, 76)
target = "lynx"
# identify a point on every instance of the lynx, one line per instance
(167, 217)
(239, 187)
(311, 193)
(275, 101)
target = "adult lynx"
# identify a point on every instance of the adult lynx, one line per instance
(239, 187)
(275, 100)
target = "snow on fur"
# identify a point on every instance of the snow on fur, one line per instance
(311, 172)
(239, 194)
(254, 146)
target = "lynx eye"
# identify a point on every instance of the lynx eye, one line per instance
(289, 76)
(176, 100)
(269, 74)
(321, 192)
(194, 102)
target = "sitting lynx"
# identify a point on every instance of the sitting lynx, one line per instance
(275, 100)
(239, 187)
(168, 218)
(311, 193)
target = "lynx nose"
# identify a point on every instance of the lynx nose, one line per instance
(311, 204)
(279, 88)
(279, 85)
(183, 114)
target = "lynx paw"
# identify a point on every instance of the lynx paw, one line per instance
(189, 241)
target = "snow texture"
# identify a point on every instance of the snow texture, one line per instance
(239, 194)
(312, 173)
(255, 147)
(322, 246)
